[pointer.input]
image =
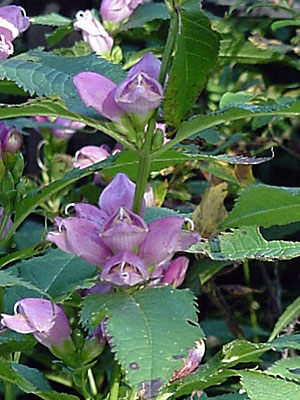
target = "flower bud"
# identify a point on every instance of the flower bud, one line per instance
(10, 138)
(175, 273)
(93, 32)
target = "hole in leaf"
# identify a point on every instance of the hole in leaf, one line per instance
(150, 389)
(193, 323)
(134, 366)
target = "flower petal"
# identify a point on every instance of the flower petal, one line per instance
(148, 64)
(94, 90)
(18, 323)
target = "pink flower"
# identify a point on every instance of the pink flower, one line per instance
(13, 21)
(93, 32)
(138, 94)
(118, 10)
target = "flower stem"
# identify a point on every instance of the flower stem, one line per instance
(8, 390)
(169, 47)
(145, 154)
(115, 382)
(144, 167)
(253, 317)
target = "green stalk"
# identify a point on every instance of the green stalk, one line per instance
(145, 154)
(144, 167)
(8, 391)
(253, 317)
(115, 382)
(3, 223)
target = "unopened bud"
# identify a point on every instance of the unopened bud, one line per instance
(14, 141)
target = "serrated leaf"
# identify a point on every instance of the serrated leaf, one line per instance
(144, 328)
(53, 19)
(265, 206)
(146, 13)
(246, 243)
(292, 311)
(159, 212)
(286, 368)
(260, 386)
(286, 341)
(211, 211)
(56, 274)
(195, 58)
(7, 279)
(202, 121)
(45, 74)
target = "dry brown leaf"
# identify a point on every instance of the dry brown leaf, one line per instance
(211, 211)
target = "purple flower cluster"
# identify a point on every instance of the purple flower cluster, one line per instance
(13, 21)
(120, 242)
(138, 94)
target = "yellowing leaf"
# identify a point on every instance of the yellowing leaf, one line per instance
(244, 174)
(211, 211)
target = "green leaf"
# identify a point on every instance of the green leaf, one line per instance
(265, 206)
(59, 33)
(229, 98)
(283, 23)
(245, 52)
(52, 19)
(30, 380)
(146, 13)
(56, 274)
(292, 311)
(7, 279)
(216, 370)
(195, 59)
(288, 368)
(151, 331)
(202, 121)
(286, 341)
(159, 212)
(246, 243)
(11, 342)
(260, 386)
(44, 74)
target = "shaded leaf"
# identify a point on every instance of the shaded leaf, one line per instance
(144, 328)
(56, 274)
(286, 341)
(256, 382)
(195, 58)
(286, 368)
(292, 311)
(53, 19)
(146, 13)
(11, 342)
(246, 243)
(211, 211)
(265, 206)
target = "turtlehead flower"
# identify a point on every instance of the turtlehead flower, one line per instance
(69, 238)
(192, 362)
(66, 133)
(89, 155)
(124, 269)
(46, 321)
(138, 94)
(118, 10)
(93, 32)
(70, 128)
(13, 21)
(121, 242)
(10, 139)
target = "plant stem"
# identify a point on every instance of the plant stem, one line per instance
(8, 390)
(3, 223)
(115, 382)
(92, 382)
(144, 167)
(169, 47)
(253, 317)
